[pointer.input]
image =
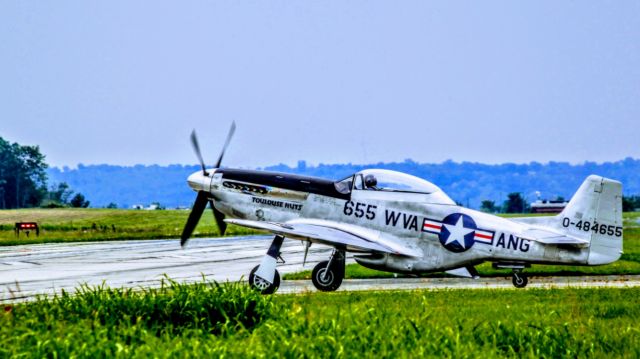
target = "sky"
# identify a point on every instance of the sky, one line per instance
(125, 82)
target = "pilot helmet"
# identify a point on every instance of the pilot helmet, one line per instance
(370, 181)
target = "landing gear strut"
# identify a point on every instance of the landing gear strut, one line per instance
(519, 279)
(328, 275)
(264, 277)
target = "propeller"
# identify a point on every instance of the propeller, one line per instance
(194, 217)
(196, 149)
(203, 196)
(219, 216)
(232, 130)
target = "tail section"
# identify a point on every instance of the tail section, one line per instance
(595, 214)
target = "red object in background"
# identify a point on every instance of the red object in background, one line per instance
(28, 227)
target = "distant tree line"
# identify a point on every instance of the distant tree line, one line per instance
(630, 203)
(23, 177)
(62, 196)
(465, 182)
(23, 180)
(471, 183)
(514, 203)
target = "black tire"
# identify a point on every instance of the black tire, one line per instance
(261, 285)
(329, 282)
(519, 281)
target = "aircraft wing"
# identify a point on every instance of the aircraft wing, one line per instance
(548, 236)
(353, 238)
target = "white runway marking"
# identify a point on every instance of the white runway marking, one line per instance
(26, 271)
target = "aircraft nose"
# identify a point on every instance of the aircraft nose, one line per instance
(198, 181)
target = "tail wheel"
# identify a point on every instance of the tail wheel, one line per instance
(262, 285)
(519, 280)
(326, 279)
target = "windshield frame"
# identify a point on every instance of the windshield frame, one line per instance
(344, 185)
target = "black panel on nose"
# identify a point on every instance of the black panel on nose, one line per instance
(288, 181)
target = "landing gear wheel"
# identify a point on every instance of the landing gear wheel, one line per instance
(262, 285)
(519, 280)
(326, 279)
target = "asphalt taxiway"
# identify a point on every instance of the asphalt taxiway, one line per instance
(613, 281)
(29, 270)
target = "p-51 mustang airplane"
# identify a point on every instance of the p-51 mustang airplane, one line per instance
(399, 223)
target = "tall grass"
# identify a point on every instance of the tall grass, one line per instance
(228, 320)
(458, 323)
(115, 319)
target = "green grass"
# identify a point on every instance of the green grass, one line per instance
(77, 225)
(210, 320)
(100, 321)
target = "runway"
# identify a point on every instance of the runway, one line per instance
(29, 270)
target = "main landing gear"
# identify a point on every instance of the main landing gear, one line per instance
(326, 276)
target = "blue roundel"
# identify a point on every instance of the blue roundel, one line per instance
(457, 232)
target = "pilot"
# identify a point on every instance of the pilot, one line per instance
(370, 182)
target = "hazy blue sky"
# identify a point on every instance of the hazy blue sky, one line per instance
(124, 82)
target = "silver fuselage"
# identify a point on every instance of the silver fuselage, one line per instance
(409, 219)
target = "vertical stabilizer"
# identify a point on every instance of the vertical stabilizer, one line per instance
(595, 214)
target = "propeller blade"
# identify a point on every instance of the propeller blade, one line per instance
(219, 216)
(198, 207)
(232, 130)
(196, 148)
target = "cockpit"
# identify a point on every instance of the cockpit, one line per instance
(390, 181)
(385, 180)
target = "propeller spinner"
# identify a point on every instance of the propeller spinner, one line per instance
(200, 181)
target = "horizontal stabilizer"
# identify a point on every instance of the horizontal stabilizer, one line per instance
(551, 237)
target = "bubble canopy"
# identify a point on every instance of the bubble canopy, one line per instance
(386, 180)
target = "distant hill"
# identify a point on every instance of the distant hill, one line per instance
(466, 182)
